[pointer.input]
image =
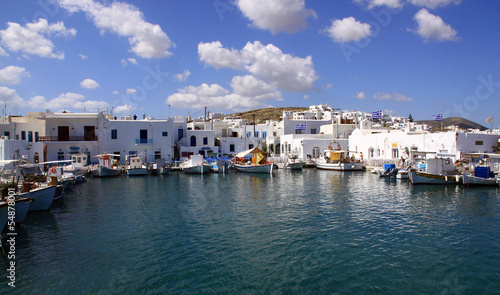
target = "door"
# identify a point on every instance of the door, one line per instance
(143, 136)
(63, 133)
(88, 133)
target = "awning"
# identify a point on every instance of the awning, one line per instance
(253, 151)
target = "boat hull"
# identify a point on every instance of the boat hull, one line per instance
(42, 197)
(106, 172)
(339, 166)
(22, 208)
(4, 214)
(295, 165)
(428, 178)
(137, 171)
(198, 169)
(478, 181)
(263, 168)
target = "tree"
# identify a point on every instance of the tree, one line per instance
(410, 119)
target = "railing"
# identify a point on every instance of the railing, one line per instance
(67, 138)
(143, 141)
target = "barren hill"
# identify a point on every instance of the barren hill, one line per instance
(266, 114)
(457, 121)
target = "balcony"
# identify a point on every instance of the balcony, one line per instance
(67, 138)
(144, 141)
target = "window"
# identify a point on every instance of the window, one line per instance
(23, 135)
(299, 132)
(479, 142)
(264, 134)
(60, 156)
(132, 153)
(250, 146)
(205, 140)
(256, 134)
(164, 133)
(193, 140)
(313, 131)
(36, 136)
(231, 147)
(249, 134)
(30, 136)
(395, 153)
(114, 134)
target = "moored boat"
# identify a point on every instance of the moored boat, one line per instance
(483, 176)
(294, 164)
(195, 165)
(417, 177)
(337, 160)
(106, 166)
(257, 164)
(135, 167)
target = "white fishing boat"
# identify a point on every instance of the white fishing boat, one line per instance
(35, 187)
(106, 167)
(482, 174)
(294, 163)
(257, 164)
(195, 165)
(158, 167)
(337, 160)
(78, 165)
(135, 166)
(438, 170)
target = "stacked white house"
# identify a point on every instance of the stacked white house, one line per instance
(48, 136)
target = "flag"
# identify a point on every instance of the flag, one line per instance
(377, 115)
(301, 126)
(438, 117)
(489, 119)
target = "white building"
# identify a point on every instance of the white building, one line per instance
(391, 145)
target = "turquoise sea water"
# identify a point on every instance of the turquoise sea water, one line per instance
(310, 232)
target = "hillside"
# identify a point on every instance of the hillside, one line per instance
(266, 114)
(457, 121)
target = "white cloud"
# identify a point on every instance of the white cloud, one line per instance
(213, 54)
(375, 3)
(146, 40)
(129, 60)
(82, 56)
(68, 101)
(306, 96)
(31, 39)
(248, 93)
(11, 97)
(268, 63)
(130, 91)
(434, 3)
(89, 84)
(329, 86)
(183, 76)
(12, 75)
(433, 27)
(394, 96)
(360, 95)
(3, 53)
(277, 15)
(123, 109)
(348, 29)
(115, 92)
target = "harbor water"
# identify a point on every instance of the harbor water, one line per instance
(309, 232)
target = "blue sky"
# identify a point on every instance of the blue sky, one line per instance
(419, 57)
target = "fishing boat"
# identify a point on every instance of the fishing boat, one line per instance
(257, 164)
(195, 165)
(135, 167)
(22, 208)
(78, 165)
(36, 187)
(219, 166)
(106, 167)
(438, 170)
(4, 214)
(337, 160)
(294, 163)
(158, 167)
(483, 176)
